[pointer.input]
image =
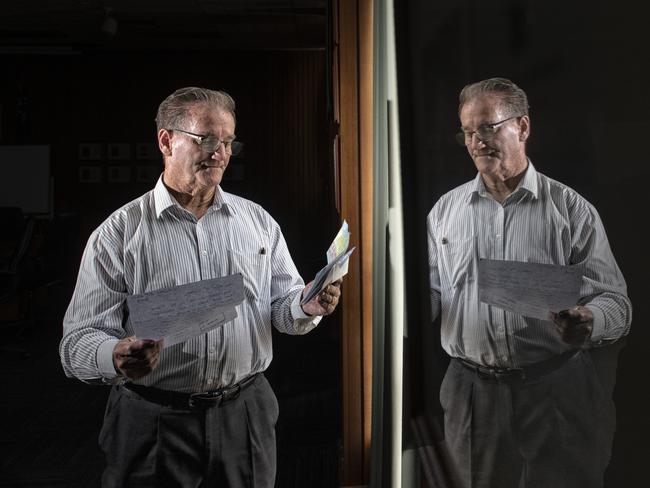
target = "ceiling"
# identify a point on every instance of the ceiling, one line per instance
(62, 26)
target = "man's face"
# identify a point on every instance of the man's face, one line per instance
(188, 167)
(502, 154)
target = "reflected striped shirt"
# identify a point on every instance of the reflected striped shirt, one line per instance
(542, 221)
(153, 243)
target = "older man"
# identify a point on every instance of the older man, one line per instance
(185, 230)
(523, 404)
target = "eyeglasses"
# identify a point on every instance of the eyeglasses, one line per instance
(485, 132)
(211, 144)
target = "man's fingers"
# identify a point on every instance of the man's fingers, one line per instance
(138, 348)
(574, 325)
(325, 298)
(324, 302)
(576, 314)
(570, 313)
(331, 292)
(141, 344)
(133, 364)
(334, 288)
(136, 357)
(329, 299)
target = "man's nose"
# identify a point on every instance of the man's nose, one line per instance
(477, 141)
(219, 152)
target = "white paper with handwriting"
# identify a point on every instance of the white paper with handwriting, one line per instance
(529, 289)
(182, 312)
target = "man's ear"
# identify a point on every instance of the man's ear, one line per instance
(165, 142)
(524, 128)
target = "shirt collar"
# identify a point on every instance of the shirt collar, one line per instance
(528, 183)
(221, 198)
(164, 200)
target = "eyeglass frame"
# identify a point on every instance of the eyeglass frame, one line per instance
(464, 137)
(235, 146)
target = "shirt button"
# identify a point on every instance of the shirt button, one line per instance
(500, 329)
(213, 349)
(209, 382)
(504, 358)
(204, 252)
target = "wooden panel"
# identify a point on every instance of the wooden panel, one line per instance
(295, 180)
(353, 64)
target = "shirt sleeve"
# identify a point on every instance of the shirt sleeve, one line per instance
(434, 275)
(287, 315)
(93, 322)
(603, 289)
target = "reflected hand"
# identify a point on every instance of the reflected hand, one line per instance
(574, 325)
(325, 302)
(135, 358)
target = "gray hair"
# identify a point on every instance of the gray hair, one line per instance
(174, 109)
(513, 97)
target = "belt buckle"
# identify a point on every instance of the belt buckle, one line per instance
(205, 399)
(483, 372)
(214, 398)
(508, 374)
(230, 393)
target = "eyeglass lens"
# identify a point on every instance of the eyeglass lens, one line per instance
(212, 144)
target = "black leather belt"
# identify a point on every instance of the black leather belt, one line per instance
(529, 372)
(201, 400)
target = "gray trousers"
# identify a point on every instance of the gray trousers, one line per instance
(553, 431)
(231, 445)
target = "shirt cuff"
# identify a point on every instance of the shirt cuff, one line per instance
(598, 329)
(105, 359)
(298, 313)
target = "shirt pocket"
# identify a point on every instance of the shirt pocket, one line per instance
(254, 267)
(457, 260)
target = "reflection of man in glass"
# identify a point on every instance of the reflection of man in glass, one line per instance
(523, 404)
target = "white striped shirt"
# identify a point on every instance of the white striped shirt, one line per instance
(542, 221)
(154, 243)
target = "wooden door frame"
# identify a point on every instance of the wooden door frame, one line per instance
(352, 89)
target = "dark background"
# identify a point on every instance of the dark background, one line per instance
(582, 64)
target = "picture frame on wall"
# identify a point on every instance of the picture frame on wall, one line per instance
(90, 151)
(119, 151)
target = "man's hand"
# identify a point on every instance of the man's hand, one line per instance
(325, 302)
(574, 325)
(135, 358)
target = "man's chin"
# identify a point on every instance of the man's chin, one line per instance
(486, 163)
(211, 176)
